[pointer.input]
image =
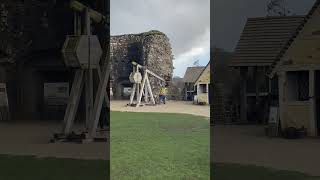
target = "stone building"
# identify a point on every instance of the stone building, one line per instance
(201, 87)
(298, 72)
(190, 77)
(151, 49)
(260, 45)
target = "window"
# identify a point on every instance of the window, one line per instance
(257, 77)
(274, 86)
(298, 85)
(203, 88)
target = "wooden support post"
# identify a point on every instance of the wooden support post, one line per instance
(87, 22)
(281, 80)
(73, 102)
(243, 95)
(146, 94)
(186, 91)
(100, 96)
(133, 92)
(140, 92)
(75, 23)
(256, 77)
(257, 108)
(138, 89)
(89, 96)
(106, 97)
(150, 91)
(312, 100)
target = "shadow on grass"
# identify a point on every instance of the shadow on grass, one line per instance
(245, 172)
(33, 168)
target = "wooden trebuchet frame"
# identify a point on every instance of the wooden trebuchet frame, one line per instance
(84, 78)
(142, 87)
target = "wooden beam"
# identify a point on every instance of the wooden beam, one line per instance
(153, 74)
(148, 71)
(281, 80)
(313, 117)
(243, 95)
(73, 101)
(94, 15)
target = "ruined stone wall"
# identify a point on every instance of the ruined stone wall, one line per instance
(123, 50)
(151, 49)
(31, 26)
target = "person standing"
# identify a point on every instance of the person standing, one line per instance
(163, 94)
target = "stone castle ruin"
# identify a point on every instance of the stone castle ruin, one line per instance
(151, 49)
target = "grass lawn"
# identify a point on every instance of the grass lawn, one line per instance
(159, 146)
(32, 168)
(241, 172)
(145, 146)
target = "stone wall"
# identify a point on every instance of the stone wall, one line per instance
(32, 25)
(151, 49)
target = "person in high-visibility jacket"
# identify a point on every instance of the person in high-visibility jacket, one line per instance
(163, 94)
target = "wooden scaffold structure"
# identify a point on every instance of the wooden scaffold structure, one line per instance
(142, 86)
(82, 52)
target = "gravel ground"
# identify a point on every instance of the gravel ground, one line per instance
(32, 138)
(248, 145)
(185, 107)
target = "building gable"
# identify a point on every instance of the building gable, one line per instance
(304, 47)
(192, 74)
(204, 76)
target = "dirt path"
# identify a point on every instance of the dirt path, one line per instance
(184, 107)
(249, 145)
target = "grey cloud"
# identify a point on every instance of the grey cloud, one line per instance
(184, 21)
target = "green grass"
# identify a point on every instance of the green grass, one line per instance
(241, 172)
(32, 168)
(159, 146)
(145, 146)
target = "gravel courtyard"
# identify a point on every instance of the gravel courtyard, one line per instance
(185, 107)
(249, 146)
(32, 138)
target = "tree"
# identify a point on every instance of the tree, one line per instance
(277, 8)
(196, 63)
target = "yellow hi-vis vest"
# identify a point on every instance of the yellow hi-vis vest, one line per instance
(163, 91)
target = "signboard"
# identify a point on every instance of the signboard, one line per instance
(274, 115)
(111, 92)
(3, 95)
(127, 91)
(56, 94)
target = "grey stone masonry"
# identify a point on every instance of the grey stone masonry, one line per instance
(151, 49)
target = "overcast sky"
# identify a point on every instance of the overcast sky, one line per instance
(229, 18)
(185, 22)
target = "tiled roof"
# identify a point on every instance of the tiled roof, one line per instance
(192, 74)
(263, 39)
